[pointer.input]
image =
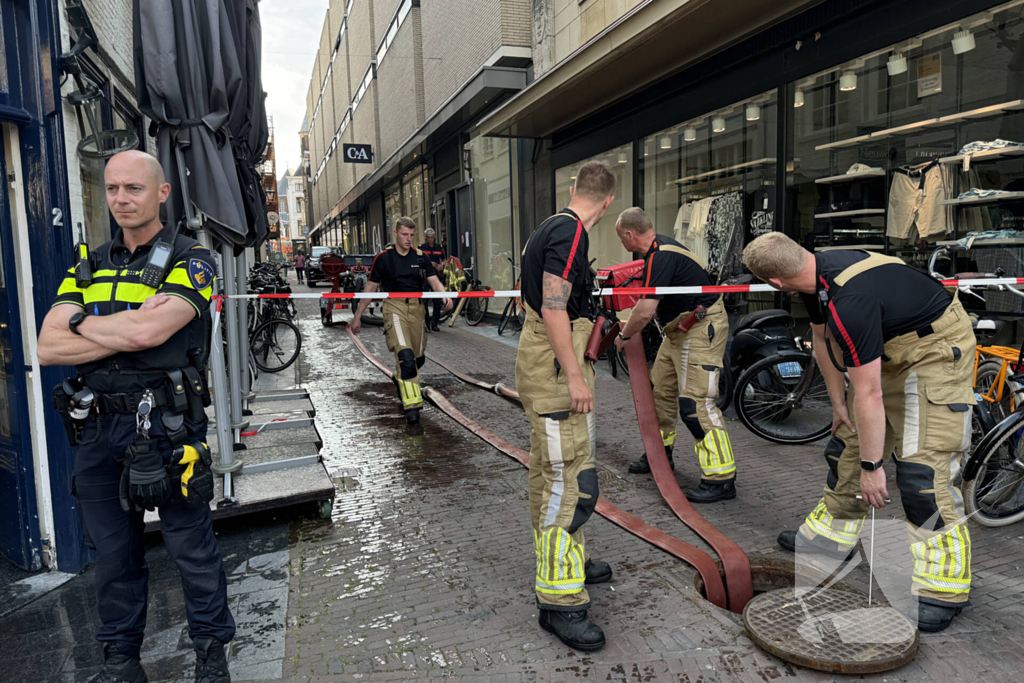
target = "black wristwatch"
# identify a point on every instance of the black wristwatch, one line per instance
(75, 321)
(623, 338)
(869, 466)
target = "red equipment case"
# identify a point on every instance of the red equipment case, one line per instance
(622, 275)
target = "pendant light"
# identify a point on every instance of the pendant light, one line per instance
(718, 124)
(848, 81)
(897, 64)
(689, 133)
(798, 99)
(753, 112)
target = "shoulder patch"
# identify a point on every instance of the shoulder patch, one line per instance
(200, 273)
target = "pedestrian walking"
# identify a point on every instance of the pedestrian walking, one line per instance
(137, 332)
(556, 384)
(300, 267)
(436, 253)
(403, 268)
(908, 348)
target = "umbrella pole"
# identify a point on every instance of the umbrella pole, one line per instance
(242, 278)
(234, 357)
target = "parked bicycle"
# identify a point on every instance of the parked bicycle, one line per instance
(274, 340)
(513, 317)
(460, 279)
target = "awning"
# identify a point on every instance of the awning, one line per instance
(653, 40)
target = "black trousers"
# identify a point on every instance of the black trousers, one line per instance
(433, 311)
(121, 572)
(300, 273)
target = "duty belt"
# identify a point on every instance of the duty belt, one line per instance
(108, 404)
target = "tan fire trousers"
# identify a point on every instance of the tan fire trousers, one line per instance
(563, 477)
(685, 377)
(927, 388)
(407, 339)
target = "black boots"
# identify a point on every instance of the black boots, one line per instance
(412, 416)
(575, 629)
(934, 615)
(641, 467)
(791, 540)
(211, 661)
(597, 571)
(119, 667)
(712, 491)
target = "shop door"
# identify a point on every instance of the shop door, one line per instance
(17, 488)
(464, 224)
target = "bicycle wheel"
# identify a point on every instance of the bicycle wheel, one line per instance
(506, 316)
(724, 387)
(476, 309)
(995, 495)
(275, 345)
(987, 373)
(767, 405)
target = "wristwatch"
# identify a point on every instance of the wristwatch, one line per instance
(75, 321)
(869, 466)
(623, 338)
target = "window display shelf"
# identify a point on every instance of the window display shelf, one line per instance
(981, 113)
(850, 177)
(854, 212)
(982, 242)
(728, 169)
(865, 247)
(1002, 197)
(990, 155)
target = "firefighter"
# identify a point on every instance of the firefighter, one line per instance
(403, 268)
(435, 252)
(688, 365)
(908, 349)
(556, 385)
(136, 412)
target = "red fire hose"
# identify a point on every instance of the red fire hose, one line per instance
(699, 559)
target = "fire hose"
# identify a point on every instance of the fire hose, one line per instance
(693, 556)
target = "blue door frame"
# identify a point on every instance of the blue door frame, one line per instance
(32, 101)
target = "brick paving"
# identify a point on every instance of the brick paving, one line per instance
(425, 570)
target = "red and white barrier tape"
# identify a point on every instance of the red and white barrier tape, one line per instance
(626, 291)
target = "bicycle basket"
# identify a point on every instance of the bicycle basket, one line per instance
(622, 275)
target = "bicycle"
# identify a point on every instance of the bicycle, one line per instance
(473, 308)
(514, 314)
(274, 340)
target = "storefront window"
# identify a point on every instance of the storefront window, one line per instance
(414, 200)
(710, 182)
(496, 228)
(392, 211)
(914, 143)
(604, 243)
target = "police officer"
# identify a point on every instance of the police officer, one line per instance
(403, 268)
(907, 347)
(435, 252)
(556, 385)
(688, 364)
(140, 352)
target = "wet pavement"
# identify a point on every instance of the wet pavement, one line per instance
(425, 568)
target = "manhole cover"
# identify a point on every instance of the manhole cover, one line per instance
(834, 631)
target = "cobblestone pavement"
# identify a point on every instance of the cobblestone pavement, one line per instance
(426, 568)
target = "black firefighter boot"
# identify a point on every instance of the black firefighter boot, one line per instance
(641, 467)
(412, 416)
(597, 571)
(119, 667)
(712, 491)
(936, 615)
(211, 661)
(575, 629)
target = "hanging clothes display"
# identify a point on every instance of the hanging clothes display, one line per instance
(712, 228)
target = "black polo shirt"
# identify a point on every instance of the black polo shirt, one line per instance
(873, 307)
(434, 253)
(560, 246)
(397, 273)
(671, 269)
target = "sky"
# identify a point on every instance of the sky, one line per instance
(291, 34)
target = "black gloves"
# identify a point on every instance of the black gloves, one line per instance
(144, 481)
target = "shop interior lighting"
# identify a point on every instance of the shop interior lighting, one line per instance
(753, 112)
(963, 41)
(623, 158)
(798, 99)
(848, 81)
(666, 142)
(718, 124)
(897, 64)
(689, 133)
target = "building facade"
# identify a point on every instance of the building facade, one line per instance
(411, 80)
(292, 205)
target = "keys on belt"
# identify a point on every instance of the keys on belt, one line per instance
(142, 421)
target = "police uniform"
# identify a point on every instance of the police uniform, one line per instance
(878, 307)
(173, 372)
(436, 255)
(404, 318)
(563, 478)
(688, 364)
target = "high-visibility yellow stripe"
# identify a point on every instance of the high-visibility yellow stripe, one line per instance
(105, 272)
(179, 276)
(68, 286)
(132, 292)
(668, 439)
(98, 293)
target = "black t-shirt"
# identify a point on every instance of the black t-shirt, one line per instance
(671, 269)
(434, 253)
(560, 246)
(397, 273)
(872, 307)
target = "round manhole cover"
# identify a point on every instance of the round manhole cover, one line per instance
(831, 630)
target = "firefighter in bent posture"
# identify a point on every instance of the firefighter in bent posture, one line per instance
(688, 364)
(402, 268)
(907, 345)
(556, 385)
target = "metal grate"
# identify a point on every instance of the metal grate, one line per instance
(834, 631)
(1011, 260)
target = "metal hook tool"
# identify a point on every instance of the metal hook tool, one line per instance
(871, 554)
